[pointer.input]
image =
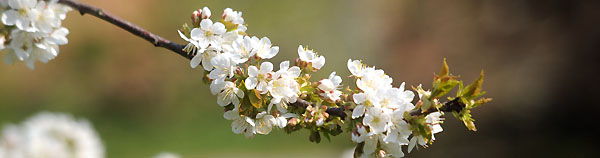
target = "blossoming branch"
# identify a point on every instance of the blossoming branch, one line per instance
(256, 96)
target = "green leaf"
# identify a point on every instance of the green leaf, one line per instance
(255, 98)
(326, 134)
(445, 71)
(315, 137)
(474, 89)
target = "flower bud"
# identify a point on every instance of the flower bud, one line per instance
(196, 18)
(205, 13)
(381, 153)
(293, 121)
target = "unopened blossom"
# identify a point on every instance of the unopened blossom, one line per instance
(311, 57)
(330, 87)
(241, 124)
(228, 92)
(234, 17)
(205, 14)
(209, 33)
(259, 78)
(264, 49)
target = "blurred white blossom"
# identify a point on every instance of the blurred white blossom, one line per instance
(51, 135)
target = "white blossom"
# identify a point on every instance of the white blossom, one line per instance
(376, 119)
(356, 67)
(51, 135)
(264, 123)
(244, 47)
(38, 31)
(285, 71)
(259, 78)
(234, 17)
(20, 14)
(264, 50)
(432, 120)
(209, 33)
(166, 155)
(2, 41)
(35, 46)
(224, 64)
(284, 86)
(281, 120)
(228, 92)
(241, 124)
(374, 80)
(280, 105)
(311, 57)
(363, 101)
(330, 87)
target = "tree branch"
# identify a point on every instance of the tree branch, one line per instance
(162, 42)
(339, 112)
(156, 40)
(453, 105)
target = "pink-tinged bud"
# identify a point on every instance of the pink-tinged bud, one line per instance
(326, 115)
(205, 13)
(381, 153)
(196, 18)
(297, 62)
(324, 107)
(293, 121)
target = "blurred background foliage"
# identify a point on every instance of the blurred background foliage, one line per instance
(539, 56)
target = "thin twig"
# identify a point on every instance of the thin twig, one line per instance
(125, 25)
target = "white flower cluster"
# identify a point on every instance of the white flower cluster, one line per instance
(32, 30)
(51, 135)
(382, 108)
(221, 47)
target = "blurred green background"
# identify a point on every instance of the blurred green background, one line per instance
(539, 59)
